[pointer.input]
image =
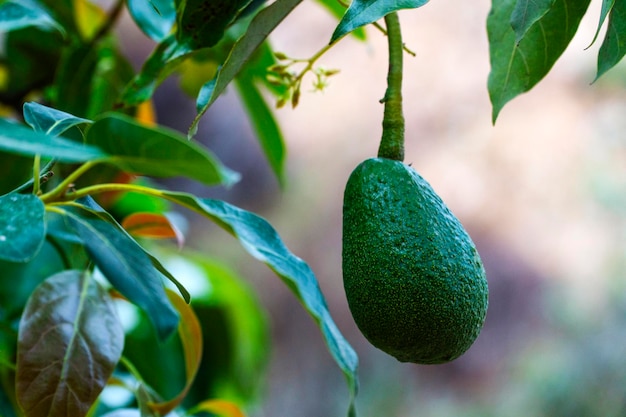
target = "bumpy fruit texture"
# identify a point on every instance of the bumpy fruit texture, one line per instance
(414, 281)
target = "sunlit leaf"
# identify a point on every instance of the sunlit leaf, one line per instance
(614, 45)
(155, 18)
(22, 227)
(156, 151)
(260, 239)
(49, 120)
(70, 340)
(152, 225)
(516, 67)
(222, 408)
(260, 27)
(190, 334)
(89, 18)
(264, 124)
(16, 14)
(364, 12)
(21, 140)
(125, 264)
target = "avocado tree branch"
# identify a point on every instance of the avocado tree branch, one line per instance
(392, 141)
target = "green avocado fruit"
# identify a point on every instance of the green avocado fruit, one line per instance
(414, 281)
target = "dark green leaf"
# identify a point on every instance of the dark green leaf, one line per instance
(24, 13)
(156, 151)
(260, 27)
(517, 67)
(364, 12)
(73, 79)
(338, 10)
(167, 55)
(22, 227)
(21, 140)
(614, 45)
(260, 239)
(15, 170)
(202, 23)
(607, 5)
(48, 120)
(70, 340)
(266, 128)
(125, 264)
(526, 13)
(155, 18)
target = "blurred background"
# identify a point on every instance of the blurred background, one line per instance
(542, 193)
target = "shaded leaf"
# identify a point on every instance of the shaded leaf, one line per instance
(15, 170)
(155, 17)
(364, 12)
(24, 13)
(260, 27)
(202, 23)
(260, 239)
(48, 120)
(526, 13)
(264, 124)
(516, 67)
(21, 140)
(70, 340)
(22, 227)
(156, 151)
(614, 44)
(125, 264)
(222, 408)
(73, 79)
(190, 334)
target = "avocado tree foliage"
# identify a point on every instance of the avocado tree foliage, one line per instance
(80, 220)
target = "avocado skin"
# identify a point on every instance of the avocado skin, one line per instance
(415, 284)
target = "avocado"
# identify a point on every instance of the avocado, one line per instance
(414, 281)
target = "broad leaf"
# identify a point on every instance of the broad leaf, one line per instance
(125, 264)
(156, 151)
(155, 17)
(364, 12)
(190, 334)
(70, 340)
(49, 120)
(152, 225)
(264, 124)
(526, 13)
(18, 139)
(260, 27)
(24, 13)
(516, 67)
(222, 408)
(614, 45)
(22, 227)
(337, 9)
(202, 23)
(258, 237)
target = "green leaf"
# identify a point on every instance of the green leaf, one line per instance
(18, 139)
(155, 17)
(337, 9)
(125, 264)
(25, 13)
(48, 120)
(22, 227)
(261, 241)
(264, 124)
(614, 45)
(15, 170)
(526, 13)
(203, 23)
(518, 67)
(364, 12)
(607, 6)
(156, 151)
(70, 340)
(260, 27)
(73, 79)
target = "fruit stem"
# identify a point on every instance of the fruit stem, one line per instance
(392, 141)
